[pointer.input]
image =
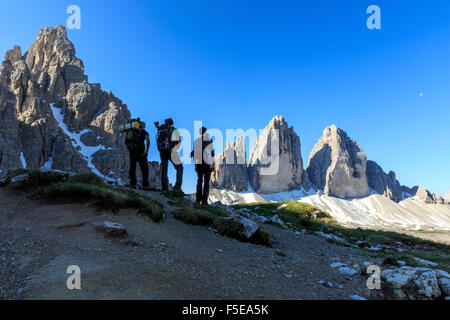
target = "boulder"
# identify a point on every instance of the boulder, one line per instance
(20, 178)
(337, 165)
(444, 283)
(410, 283)
(425, 262)
(113, 229)
(275, 163)
(250, 227)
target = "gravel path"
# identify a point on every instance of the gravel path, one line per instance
(166, 260)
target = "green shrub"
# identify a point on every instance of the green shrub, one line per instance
(90, 178)
(194, 216)
(296, 213)
(103, 197)
(36, 179)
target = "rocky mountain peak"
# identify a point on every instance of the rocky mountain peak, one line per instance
(285, 174)
(287, 167)
(384, 184)
(447, 196)
(53, 116)
(231, 167)
(13, 55)
(51, 47)
(277, 120)
(337, 165)
(428, 197)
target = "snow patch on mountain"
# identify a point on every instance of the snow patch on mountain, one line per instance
(22, 159)
(289, 195)
(228, 197)
(86, 151)
(49, 162)
(406, 195)
(372, 211)
(378, 211)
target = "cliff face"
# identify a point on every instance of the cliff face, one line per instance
(278, 148)
(275, 163)
(337, 165)
(231, 168)
(51, 116)
(385, 184)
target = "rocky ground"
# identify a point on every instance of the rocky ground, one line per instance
(165, 260)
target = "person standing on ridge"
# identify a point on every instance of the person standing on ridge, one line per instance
(169, 142)
(138, 145)
(203, 155)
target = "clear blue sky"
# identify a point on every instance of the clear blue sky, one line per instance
(238, 63)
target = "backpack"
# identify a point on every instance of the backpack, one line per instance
(132, 132)
(163, 138)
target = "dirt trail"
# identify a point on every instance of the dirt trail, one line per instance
(166, 260)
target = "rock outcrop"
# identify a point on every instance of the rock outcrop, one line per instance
(51, 116)
(275, 163)
(10, 144)
(428, 197)
(447, 196)
(407, 283)
(231, 168)
(306, 182)
(337, 165)
(384, 184)
(154, 174)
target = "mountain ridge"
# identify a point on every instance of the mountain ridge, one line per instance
(46, 100)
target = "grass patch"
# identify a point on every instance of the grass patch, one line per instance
(412, 246)
(104, 197)
(35, 179)
(88, 187)
(196, 214)
(375, 237)
(297, 214)
(89, 178)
